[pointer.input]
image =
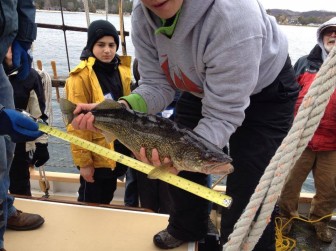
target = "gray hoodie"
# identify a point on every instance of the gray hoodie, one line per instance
(221, 50)
(331, 22)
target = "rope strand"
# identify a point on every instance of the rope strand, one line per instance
(246, 232)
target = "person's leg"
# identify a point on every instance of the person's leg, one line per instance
(267, 121)
(148, 192)
(10, 217)
(108, 183)
(164, 197)
(290, 194)
(6, 156)
(19, 171)
(131, 198)
(188, 219)
(89, 192)
(324, 201)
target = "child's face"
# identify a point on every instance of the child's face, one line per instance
(163, 8)
(105, 49)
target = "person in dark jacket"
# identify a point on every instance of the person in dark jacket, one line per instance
(17, 21)
(28, 95)
(320, 154)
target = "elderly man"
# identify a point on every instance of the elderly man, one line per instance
(320, 154)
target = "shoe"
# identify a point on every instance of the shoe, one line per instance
(24, 221)
(2, 249)
(285, 225)
(164, 240)
(323, 231)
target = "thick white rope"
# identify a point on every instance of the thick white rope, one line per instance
(246, 232)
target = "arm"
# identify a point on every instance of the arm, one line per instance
(27, 30)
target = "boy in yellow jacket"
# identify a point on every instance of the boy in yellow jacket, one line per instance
(101, 74)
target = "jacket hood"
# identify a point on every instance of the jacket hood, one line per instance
(191, 13)
(331, 22)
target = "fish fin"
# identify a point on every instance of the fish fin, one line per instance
(109, 136)
(67, 108)
(158, 171)
(108, 104)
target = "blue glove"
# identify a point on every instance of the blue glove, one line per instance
(18, 126)
(41, 154)
(21, 58)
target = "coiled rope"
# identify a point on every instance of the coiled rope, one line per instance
(246, 232)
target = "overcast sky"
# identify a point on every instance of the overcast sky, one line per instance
(300, 5)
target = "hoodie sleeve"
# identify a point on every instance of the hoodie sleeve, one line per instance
(156, 91)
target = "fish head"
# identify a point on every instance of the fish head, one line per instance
(196, 154)
(209, 162)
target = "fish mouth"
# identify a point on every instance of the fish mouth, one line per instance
(219, 168)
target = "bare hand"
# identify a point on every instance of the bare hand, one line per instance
(9, 57)
(87, 173)
(155, 161)
(84, 121)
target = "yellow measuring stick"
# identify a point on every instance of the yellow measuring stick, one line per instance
(192, 187)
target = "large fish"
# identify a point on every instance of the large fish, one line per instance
(187, 150)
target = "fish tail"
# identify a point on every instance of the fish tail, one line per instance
(67, 108)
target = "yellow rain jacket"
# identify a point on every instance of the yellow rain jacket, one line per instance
(82, 86)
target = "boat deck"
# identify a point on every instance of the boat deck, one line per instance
(71, 227)
(306, 239)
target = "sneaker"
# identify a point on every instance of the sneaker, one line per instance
(285, 225)
(323, 232)
(24, 221)
(164, 240)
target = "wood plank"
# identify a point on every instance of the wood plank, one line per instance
(86, 228)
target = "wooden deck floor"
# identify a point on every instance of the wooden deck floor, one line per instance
(85, 228)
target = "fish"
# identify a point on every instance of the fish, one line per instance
(187, 150)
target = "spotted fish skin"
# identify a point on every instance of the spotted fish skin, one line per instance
(187, 150)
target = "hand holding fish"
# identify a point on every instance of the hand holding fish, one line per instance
(84, 121)
(155, 161)
(162, 143)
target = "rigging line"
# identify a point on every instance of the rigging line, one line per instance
(106, 9)
(87, 12)
(122, 34)
(65, 39)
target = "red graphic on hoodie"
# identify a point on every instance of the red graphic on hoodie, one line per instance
(183, 83)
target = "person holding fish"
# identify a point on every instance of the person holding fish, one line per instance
(230, 60)
(101, 74)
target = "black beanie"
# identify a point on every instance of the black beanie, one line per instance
(98, 29)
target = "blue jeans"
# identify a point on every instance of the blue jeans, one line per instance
(6, 156)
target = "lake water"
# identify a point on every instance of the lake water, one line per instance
(50, 46)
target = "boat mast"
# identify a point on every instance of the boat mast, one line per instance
(65, 39)
(122, 29)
